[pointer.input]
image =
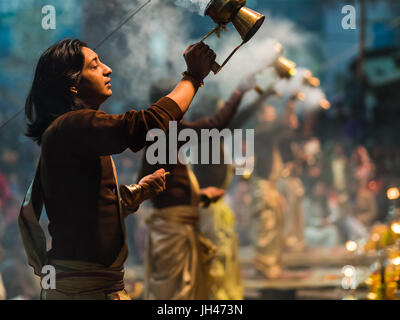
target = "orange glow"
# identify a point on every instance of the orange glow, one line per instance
(395, 227)
(247, 174)
(375, 237)
(325, 104)
(351, 246)
(393, 193)
(396, 261)
(314, 82)
(301, 96)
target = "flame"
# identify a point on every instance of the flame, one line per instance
(396, 261)
(395, 227)
(393, 193)
(351, 246)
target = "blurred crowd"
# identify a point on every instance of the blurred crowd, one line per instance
(334, 191)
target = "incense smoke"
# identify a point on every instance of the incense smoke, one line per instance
(154, 42)
(196, 6)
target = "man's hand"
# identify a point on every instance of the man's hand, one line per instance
(153, 184)
(211, 194)
(199, 60)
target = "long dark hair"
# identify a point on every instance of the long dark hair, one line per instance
(59, 68)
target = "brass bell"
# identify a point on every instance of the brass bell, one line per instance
(285, 68)
(246, 21)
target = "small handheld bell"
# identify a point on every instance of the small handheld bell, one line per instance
(246, 21)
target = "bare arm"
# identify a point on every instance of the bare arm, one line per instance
(183, 94)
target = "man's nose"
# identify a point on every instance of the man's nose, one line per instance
(107, 70)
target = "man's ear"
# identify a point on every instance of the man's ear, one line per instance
(74, 90)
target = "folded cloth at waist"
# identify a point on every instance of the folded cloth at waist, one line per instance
(80, 277)
(178, 214)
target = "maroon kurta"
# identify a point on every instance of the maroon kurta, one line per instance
(77, 177)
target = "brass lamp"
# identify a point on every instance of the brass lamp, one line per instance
(325, 104)
(285, 69)
(310, 80)
(246, 21)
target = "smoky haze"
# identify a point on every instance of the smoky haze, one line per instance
(196, 6)
(151, 47)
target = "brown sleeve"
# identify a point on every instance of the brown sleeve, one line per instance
(99, 133)
(221, 118)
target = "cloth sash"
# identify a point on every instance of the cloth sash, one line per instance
(177, 255)
(72, 277)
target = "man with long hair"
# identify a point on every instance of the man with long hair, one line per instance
(76, 179)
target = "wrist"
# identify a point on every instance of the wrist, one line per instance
(132, 195)
(196, 80)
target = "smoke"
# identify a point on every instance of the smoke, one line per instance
(258, 53)
(313, 95)
(196, 6)
(155, 40)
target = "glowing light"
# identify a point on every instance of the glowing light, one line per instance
(301, 96)
(395, 227)
(375, 237)
(314, 82)
(396, 261)
(325, 104)
(348, 271)
(393, 193)
(246, 174)
(351, 246)
(371, 296)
